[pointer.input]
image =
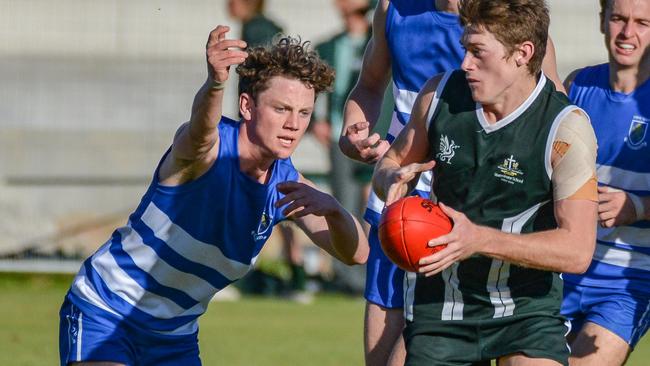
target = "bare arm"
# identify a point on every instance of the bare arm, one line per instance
(363, 106)
(395, 173)
(325, 221)
(195, 142)
(549, 66)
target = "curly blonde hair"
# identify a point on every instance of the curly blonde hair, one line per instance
(288, 57)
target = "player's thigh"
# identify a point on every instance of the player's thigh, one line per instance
(382, 335)
(596, 345)
(383, 323)
(522, 360)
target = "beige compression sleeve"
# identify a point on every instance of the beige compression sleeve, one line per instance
(574, 159)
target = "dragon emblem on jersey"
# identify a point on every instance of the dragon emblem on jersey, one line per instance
(263, 227)
(509, 171)
(447, 149)
(636, 135)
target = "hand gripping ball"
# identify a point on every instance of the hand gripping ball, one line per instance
(406, 227)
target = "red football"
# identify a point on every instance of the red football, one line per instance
(406, 227)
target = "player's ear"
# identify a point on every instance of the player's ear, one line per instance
(524, 52)
(246, 105)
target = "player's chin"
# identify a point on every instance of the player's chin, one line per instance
(284, 152)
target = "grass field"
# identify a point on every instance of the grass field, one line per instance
(252, 331)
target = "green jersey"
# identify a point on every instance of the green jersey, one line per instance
(499, 175)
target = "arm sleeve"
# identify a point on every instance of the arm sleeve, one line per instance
(574, 159)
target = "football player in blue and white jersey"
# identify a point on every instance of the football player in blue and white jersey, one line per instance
(609, 305)
(211, 206)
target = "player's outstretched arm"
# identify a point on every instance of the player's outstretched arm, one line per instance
(568, 248)
(363, 106)
(325, 221)
(190, 155)
(395, 174)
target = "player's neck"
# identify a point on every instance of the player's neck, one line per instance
(509, 100)
(252, 160)
(627, 79)
(447, 6)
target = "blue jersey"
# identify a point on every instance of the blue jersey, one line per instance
(622, 256)
(423, 42)
(184, 243)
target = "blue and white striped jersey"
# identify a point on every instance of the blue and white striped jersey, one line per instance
(184, 243)
(423, 42)
(622, 256)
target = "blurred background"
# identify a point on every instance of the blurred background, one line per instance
(91, 93)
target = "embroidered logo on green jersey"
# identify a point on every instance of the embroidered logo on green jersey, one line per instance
(509, 171)
(447, 149)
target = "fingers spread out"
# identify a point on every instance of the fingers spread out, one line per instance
(358, 127)
(217, 34)
(289, 186)
(436, 263)
(369, 142)
(297, 208)
(395, 192)
(441, 240)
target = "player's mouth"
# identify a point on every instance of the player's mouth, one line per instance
(472, 81)
(625, 48)
(286, 141)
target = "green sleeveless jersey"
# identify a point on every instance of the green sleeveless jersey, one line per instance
(498, 175)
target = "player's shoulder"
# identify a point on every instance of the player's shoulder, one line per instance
(439, 81)
(576, 125)
(585, 74)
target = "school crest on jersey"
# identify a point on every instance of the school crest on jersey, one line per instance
(636, 135)
(447, 149)
(509, 171)
(264, 226)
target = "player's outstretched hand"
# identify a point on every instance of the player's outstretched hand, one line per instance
(305, 200)
(399, 186)
(221, 53)
(357, 143)
(615, 207)
(463, 241)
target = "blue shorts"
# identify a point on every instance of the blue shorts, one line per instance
(384, 280)
(102, 336)
(625, 313)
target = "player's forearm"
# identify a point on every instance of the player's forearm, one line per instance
(363, 104)
(381, 178)
(206, 114)
(347, 237)
(558, 250)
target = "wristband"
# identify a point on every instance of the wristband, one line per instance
(638, 206)
(215, 85)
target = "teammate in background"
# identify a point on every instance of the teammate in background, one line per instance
(609, 305)
(258, 30)
(212, 204)
(415, 39)
(349, 180)
(514, 168)
(344, 52)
